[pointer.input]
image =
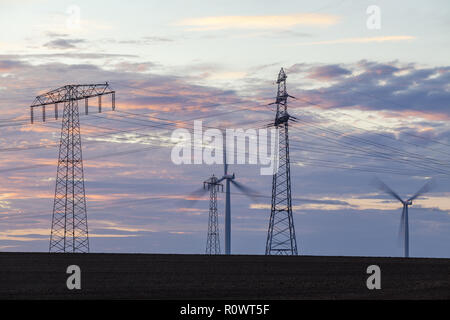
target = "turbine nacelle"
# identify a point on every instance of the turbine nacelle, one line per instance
(229, 176)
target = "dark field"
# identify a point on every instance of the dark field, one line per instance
(156, 276)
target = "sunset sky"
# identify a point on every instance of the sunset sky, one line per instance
(370, 103)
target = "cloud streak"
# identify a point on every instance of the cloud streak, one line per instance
(61, 43)
(361, 40)
(260, 22)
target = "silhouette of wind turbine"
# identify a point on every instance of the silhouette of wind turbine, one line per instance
(229, 179)
(404, 220)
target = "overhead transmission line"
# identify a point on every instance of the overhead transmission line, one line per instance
(27, 167)
(375, 123)
(177, 121)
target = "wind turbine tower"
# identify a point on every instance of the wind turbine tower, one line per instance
(231, 179)
(404, 220)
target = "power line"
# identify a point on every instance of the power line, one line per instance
(152, 147)
(377, 124)
(160, 125)
(376, 144)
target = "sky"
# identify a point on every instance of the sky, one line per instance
(371, 82)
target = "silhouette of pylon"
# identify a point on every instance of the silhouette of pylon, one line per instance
(281, 238)
(69, 223)
(213, 239)
(69, 231)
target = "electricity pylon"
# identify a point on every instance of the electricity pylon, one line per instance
(213, 239)
(69, 231)
(281, 234)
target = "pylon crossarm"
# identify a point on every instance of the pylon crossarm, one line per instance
(69, 93)
(77, 92)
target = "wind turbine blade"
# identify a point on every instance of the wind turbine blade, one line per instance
(382, 186)
(252, 194)
(225, 164)
(401, 229)
(195, 197)
(426, 188)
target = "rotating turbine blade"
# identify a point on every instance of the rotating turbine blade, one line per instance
(197, 194)
(426, 188)
(220, 180)
(225, 164)
(382, 186)
(401, 229)
(252, 194)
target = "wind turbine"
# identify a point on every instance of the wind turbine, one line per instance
(404, 223)
(230, 179)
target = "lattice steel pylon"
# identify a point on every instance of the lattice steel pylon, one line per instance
(281, 238)
(69, 231)
(213, 239)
